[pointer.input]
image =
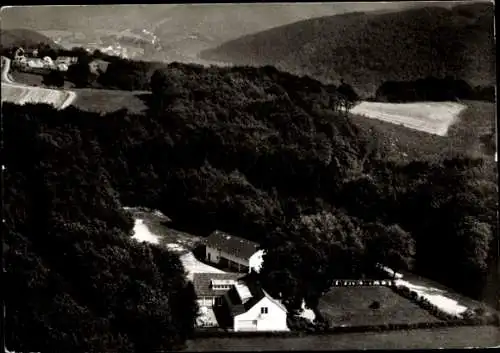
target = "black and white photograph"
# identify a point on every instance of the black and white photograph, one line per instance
(260, 176)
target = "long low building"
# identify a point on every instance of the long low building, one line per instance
(233, 252)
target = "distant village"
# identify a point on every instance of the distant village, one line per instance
(28, 59)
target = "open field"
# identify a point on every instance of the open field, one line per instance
(457, 337)
(33, 79)
(22, 95)
(106, 101)
(430, 117)
(349, 306)
(477, 120)
(93, 99)
(401, 143)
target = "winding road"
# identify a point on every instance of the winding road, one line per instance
(20, 93)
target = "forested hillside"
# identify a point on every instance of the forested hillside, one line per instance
(26, 38)
(253, 151)
(76, 281)
(368, 49)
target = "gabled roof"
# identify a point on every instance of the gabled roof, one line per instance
(231, 244)
(237, 306)
(202, 283)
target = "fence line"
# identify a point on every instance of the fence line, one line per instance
(362, 282)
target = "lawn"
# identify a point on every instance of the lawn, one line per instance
(32, 79)
(93, 99)
(405, 144)
(475, 121)
(106, 101)
(456, 337)
(350, 306)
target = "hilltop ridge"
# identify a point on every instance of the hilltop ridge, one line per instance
(22, 37)
(368, 48)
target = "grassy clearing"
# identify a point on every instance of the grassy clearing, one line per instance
(475, 121)
(430, 117)
(350, 306)
(32, 79)
(92, 99)
(405, 144)
(456, 337)
(105, 101)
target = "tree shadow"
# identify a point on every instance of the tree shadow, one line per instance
(146, 98)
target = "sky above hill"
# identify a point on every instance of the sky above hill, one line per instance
(260, 16)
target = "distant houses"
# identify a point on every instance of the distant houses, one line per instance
(98, 66)
(29, 60)
(233, 252)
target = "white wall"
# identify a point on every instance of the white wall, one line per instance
(215, 256)
(206, 301)
(274, 320)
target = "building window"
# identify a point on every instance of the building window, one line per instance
(263, 310)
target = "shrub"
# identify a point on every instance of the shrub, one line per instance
(480, 311)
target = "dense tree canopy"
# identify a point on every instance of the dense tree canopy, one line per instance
(433, 89)
(76, 280)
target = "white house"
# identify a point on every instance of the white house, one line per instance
(251, 308)
(233, 252)
(240, 301)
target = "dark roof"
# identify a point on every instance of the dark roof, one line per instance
(232, 244)
(201, 282)
(233, 300)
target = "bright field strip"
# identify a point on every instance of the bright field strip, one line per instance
(430, 117)
(22, 95)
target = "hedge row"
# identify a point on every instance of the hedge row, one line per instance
(470, 317)
(424, 303)
(402, 326)
(297, 323)
(317, 330)
(221, 333)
